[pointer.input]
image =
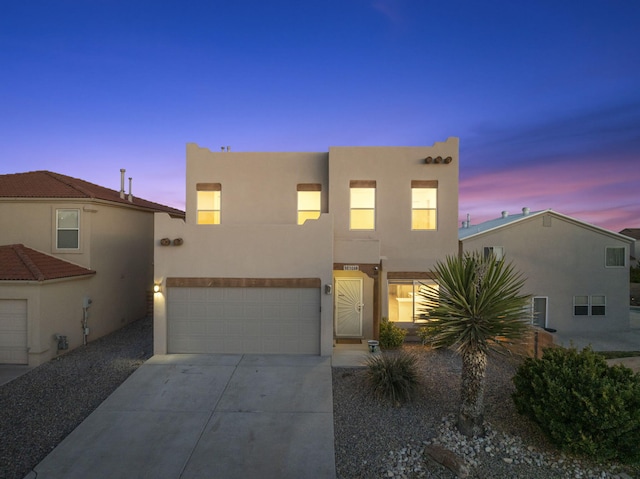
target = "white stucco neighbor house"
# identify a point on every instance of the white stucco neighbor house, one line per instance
(288, 252)
(76, 263)
(576, 273)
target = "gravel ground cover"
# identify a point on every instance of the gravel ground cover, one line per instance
(39, 409)
(374, 439)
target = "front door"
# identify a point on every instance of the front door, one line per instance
(348, 307)
(540, 311)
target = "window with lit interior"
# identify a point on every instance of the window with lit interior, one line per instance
(424, 201)
(67, 229)
(405, 300)
(362, 205)
(309, 202)
(496, 251)
(208, 203)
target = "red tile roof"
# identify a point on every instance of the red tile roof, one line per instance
(46, 184)
(19, 263)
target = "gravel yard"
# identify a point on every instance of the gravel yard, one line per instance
(376, 440)
(39, 409)
(372, 439)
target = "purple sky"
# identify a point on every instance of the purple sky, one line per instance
(544, 95)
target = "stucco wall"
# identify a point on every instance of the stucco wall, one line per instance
(393, 169)
(560, 261)
(244, 251)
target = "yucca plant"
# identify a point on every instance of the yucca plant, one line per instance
(475, 307)
(393, 376)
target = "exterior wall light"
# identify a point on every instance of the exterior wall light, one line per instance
(157, 288)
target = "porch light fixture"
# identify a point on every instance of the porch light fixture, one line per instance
(157, 288)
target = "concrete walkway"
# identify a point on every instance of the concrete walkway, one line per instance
(207, 416)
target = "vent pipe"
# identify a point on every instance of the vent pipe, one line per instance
(525, 211)
(468, 220)
(505, 214)
(122, 171)
(130, 198)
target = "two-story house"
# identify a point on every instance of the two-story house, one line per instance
(76, 262)
(576, 273)
(288, 252)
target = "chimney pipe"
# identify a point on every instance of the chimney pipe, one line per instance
(130, 197)
(505, 214)
(122, 171)
(468, 220)
(525, 211)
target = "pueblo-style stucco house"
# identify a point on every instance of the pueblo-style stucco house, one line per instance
(576, 273)
(288, 252)
(76, 262)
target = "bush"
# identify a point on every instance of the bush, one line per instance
(393, 376)
(391, 336)
(583, 405)
(425, 333)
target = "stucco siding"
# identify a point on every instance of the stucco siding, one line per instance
(562, 260)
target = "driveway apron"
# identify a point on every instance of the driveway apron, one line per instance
(207, 416)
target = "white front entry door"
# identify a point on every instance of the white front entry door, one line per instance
(348, 307)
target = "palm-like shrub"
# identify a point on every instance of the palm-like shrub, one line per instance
(393, 376)
(476, 307)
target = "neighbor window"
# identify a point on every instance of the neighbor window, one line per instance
(424, 200)
(309, 202)
(598, 305)
(589, 305)
(67, 229)
(208, 203)
(363, 205)
(405, 303)
(615, 257)
(496, 251)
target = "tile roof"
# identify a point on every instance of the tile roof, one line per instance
(631, 233)
(19, 263)
(46, 184)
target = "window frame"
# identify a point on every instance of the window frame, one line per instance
(209, 187)
(424, 185)
(58, 229)
(306, 188)
(491, 250)
(590, 305)
(416, 284)
(362, 184)
(606, 257)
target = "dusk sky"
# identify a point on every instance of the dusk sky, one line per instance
(544, 95)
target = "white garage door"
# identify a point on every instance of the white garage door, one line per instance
(243, 320)
(13, 331)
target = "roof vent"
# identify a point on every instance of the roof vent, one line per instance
(525, 211)
(505, 214)
(130, 198)
(122, 171)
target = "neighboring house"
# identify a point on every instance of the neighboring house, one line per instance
(576, 273)
(287, 252)
(76, 262)
(635, 246)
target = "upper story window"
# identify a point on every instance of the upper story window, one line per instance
(363, 205)
(208, 203)
(615, 257)
(424, 201)
(496, 251)
(67, 229)
(309, 201)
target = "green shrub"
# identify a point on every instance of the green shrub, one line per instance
(391, 336)
(634, 273)
(583, 405)
(393, 376)
(425, 333)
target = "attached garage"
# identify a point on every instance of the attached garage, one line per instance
(238, 316)
(13, 331)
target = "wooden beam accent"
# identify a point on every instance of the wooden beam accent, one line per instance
(208, 187)
(362, 184)
(243, 282)
(411, 275)
(309, 187)
(424, 183)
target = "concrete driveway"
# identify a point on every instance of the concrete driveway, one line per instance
(207, 416)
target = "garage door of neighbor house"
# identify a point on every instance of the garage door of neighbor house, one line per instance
(13, 331)
(260, 318)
